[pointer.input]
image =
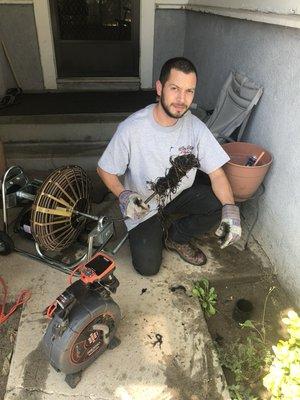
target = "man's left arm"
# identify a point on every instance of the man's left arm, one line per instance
(221, 186)
(229, 230)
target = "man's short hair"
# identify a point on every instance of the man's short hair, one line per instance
(180, 64)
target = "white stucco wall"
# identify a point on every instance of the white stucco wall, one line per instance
(18, 33)
(169, 30)
(270, 55)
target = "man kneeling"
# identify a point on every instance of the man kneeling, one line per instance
(142, 149)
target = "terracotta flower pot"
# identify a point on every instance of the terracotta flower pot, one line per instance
(245, 180)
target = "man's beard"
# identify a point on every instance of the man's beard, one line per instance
(168, 111)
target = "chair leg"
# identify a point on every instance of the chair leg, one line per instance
(252, 225)
(242, 128)
(256, 197)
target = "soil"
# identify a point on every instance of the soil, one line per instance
(225, 330)
(8, 333)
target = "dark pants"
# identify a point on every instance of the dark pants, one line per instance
(202, 211)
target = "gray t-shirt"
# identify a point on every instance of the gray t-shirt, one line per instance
(141, 149)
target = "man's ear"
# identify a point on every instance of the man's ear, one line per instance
(158, 86)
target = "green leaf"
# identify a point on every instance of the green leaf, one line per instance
(211, 310)
(247, 324)
(205, 283)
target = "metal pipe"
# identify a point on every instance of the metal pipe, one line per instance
(57, 264)
(5, 224)
(25, 195)
(90, 247)
(120, 244)
(2, 160)
(4, 205)
(85, 215)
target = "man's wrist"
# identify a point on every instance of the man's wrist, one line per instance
(119, 191)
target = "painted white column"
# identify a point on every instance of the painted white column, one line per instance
(147, 12)
(45, 40)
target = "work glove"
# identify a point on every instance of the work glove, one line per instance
(229, 230)
(132, 205)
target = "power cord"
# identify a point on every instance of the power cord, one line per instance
(22, 298)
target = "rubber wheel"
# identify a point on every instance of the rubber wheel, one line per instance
(6, 244)
(62, 351)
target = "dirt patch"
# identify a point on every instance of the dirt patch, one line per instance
(36, 370)
(8, 333)
(226, 331)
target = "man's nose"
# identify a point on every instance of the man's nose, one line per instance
(181, 96)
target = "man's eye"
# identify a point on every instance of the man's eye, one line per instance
(173, 88)
(191, 91)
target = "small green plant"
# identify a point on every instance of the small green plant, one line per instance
(207, 296)
(247, 360)
(283, 379)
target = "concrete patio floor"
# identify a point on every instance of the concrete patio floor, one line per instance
(184, 368)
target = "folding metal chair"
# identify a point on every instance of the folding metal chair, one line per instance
(234, 105)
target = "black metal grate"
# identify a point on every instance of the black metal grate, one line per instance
(95, 19)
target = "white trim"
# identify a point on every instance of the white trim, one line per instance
(292, 21)
(95, 79)
(45, 40)
(173, 4)
(16, 1)
(290, 18)
(147, 15)
(286, 7)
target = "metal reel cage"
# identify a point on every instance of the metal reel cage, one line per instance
(54, 222)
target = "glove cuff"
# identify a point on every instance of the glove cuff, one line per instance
(230, 211)
(124, 199)
(123, 196)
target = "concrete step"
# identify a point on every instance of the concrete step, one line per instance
(98, 84)
(68, 127)
(54, 149)
(49, 155)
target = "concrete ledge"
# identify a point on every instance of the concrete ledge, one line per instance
(185, 367)
(63, 118)
(291, 19)
(98, 84)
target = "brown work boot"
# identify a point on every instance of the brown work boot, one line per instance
(187, 251)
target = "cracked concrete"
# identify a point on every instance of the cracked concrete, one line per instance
(184, 368)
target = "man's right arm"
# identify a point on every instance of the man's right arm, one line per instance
(131, 203)
(111, 181)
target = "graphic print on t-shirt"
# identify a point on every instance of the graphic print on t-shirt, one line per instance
(183, 151)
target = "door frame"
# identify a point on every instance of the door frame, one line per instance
(47, 51)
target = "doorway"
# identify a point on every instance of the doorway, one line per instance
(96, 38)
